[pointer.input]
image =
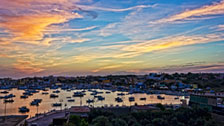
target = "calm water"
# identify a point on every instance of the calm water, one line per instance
(46, 104)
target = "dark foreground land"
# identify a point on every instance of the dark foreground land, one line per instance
(162, 117)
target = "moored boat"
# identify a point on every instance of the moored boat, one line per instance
(71, 100)
(24, 96)
(4, 92)
(8, 101)
(131, 99)
(118, 99)
(143, 99)
(78, 94)
(24, 109)
(89, 101)
(56, 104)
(160, 97)
(53, 96)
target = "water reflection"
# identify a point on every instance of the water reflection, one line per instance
(64, 96)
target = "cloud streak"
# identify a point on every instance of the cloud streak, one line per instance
(115, 10)
(171, 42)
(208, 10)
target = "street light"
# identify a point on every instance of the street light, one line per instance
(37, 110)
(5, 111)
(61, 100)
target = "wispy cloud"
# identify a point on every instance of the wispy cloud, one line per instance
(110, 67)
(170, 42)
(70, 30)
(198, 13)
(115, 9)
(220, 28)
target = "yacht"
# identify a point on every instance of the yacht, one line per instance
(78, 94)
(143, 99)
(56, 104)
(4, 92)
(108, 92)
(89, 101)
(45, 93)
(8, 101)
(71, 100)
(101, 98)
(131, 99)
(118, 99)
(53, 96)
(57, 91)
(24, 96)
(160, 97)
(120, 94)
(24, 109)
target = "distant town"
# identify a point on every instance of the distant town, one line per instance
(159, 81)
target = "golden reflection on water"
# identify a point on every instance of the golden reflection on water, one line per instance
(46, 104)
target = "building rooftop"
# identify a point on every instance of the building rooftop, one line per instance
(144, 107)
(79, 109)
(12, 120)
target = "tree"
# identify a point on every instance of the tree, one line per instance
(160, 122)
(119, 122)
(77, 121)
(101, 121)
(160, 106)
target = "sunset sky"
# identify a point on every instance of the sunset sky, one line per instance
(101, 37)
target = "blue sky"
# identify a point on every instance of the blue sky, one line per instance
(100, 37)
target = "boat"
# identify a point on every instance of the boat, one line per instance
(176, 98)
(36, 102)
(78, 94)
(118, 99)
(68, 97)
(131, 99)
(11, 95)
(99, 92)
(22, 88)
(160, 97)
(101, 98)
(120, 94)
(57, 91)
(94, 93)
(108, 92)
(4, 92)
(27, 93)
(24, 109)
(8, 101)
(53, 96)
(89, 101)
(143, 99)
(45, 93)
(71, 100)
(45, 89)
(186, 96)
(56, 104)
(24, 96)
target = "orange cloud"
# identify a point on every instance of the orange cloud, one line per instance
(28, 19)
(27, 67)
(110, 67)
(170, 42)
